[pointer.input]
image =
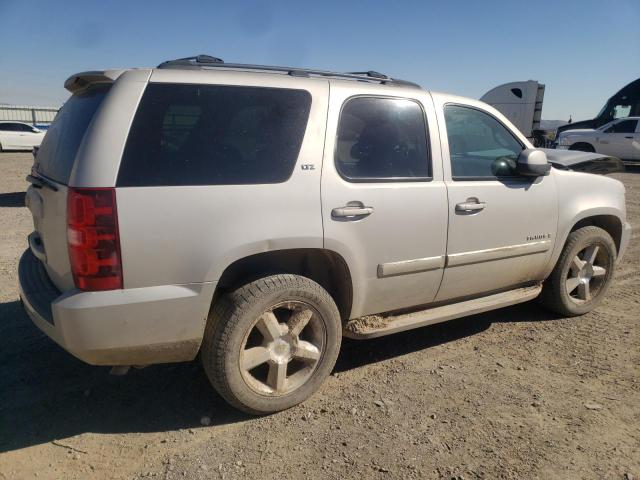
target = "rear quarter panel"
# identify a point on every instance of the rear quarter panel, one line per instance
(188, 234)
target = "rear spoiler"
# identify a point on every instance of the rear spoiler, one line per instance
(82, 80)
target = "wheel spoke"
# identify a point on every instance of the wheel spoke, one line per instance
(590, 254)
(252, 357)
(572, 284)
(599, 271)
(584, 292)
(277, 377)
(576, 265)
(299, 319)
(307, 351)
(269, 326)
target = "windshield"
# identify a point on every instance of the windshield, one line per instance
(60, 145)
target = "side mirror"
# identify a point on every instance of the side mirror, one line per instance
(533, 163)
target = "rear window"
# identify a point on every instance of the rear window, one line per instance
(60, 145)
(214, 135)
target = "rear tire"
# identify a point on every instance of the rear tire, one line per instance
(583, 273)
(270, 344)
(583, 147)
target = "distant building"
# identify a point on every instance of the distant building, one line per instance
(37, 116)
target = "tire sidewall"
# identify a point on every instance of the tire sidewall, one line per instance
(596, 237)
(246, 318)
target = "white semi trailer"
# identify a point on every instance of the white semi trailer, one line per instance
(520, 102)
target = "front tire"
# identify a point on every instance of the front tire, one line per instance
(583, 273)
(270, 344)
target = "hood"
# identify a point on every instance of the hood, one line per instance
(578, 130)
(581, 124)
(583, 161)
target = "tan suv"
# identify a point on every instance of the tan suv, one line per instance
(256, 214)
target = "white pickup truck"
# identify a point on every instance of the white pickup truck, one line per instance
(619, 138)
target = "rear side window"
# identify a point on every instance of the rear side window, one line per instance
(382, 139)
(214, 135)
(626, 126)
(60, 145)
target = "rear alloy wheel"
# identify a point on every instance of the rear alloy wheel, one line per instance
(270, 344)
(583, 273)
(274, 359)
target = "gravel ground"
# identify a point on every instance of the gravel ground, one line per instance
(515, 393)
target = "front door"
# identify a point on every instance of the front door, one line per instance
(501, 226)
(384, 202)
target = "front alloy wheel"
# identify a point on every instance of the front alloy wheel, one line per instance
(587, 273)
(582, 274)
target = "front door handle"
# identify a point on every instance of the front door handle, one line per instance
(629, 136)
(351, 211)
(471, 205)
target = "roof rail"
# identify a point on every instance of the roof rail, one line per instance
(209, 62)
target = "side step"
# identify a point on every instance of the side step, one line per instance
(373, 326)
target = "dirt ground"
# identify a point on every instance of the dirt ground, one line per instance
(515, 393)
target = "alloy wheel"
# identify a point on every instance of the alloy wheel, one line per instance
(587, 273)
(282, 349)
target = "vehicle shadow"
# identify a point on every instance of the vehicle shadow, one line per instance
(14, 199)
(46, 394)
(357, 353)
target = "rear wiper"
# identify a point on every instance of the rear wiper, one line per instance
(40, 182)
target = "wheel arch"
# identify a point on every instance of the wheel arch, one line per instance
(607, 219)
(609, 223)
(325, 267)
(589, 145)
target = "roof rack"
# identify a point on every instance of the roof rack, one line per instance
(209, 62)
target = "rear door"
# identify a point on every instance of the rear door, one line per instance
(618, 139)
(384, 204)
(635, 143)
(501, 226)
(26, 136)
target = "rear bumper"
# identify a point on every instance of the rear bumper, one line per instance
(137, 326)
(624, 239)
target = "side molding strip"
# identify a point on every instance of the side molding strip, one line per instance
(478, 256)
(410, 266)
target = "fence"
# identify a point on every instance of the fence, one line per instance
(28, 114)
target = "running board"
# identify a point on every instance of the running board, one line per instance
(372, 326)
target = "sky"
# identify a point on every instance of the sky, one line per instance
(583, 51)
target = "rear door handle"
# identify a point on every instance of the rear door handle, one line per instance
(471, 205)
(630, 136)
(347, 211)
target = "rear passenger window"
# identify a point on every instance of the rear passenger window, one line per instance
(382, 139)
(214, 135)
(626, 126)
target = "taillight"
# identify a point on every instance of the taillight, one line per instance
(93, 238)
